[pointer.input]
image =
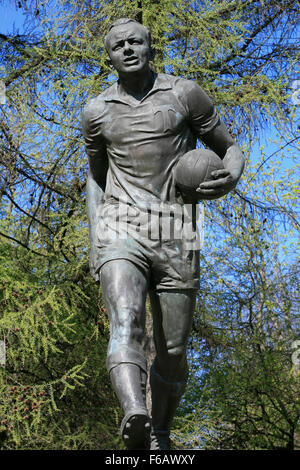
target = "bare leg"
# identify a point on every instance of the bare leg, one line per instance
(124, 288)
(172, 319)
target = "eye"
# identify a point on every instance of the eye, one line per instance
(135, 41)
(116, 47)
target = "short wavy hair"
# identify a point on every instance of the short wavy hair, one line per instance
(121, 21)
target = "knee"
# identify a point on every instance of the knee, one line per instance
(173, 365)
(176, 353)
(127, 324)
(126, 335)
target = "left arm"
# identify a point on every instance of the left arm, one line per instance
(220, 141)
(206, 125)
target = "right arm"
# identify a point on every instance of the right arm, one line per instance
(96, 180)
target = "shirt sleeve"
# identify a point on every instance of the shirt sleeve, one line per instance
(95, 144)
(202, 113)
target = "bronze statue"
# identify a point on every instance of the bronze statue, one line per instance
(135, 132)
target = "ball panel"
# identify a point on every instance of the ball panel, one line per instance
(198, 170)
(195, 167)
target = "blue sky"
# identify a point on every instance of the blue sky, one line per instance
(10, 17)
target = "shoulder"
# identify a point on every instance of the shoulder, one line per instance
(95, 107)
(176, 83)
(181, 84)
(194, 100)
(188, 91)
(191, 91)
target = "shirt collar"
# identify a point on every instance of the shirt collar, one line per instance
(162, 82)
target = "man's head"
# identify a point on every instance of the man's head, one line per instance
(128, 44)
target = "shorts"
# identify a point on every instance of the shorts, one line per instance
(165, 260)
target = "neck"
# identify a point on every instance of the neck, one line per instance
(137, 84)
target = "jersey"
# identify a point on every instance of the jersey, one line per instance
(142, 141)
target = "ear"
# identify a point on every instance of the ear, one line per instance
(109, 62)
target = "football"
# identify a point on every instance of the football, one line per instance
(195, 167)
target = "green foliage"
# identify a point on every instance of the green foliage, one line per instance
(56, 332)
(55, 392)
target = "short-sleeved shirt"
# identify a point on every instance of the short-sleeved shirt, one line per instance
(143, 140)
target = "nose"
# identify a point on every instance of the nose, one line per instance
(127, 47)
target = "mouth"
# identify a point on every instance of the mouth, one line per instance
(131, 60)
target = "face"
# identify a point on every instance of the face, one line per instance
(128, 48)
